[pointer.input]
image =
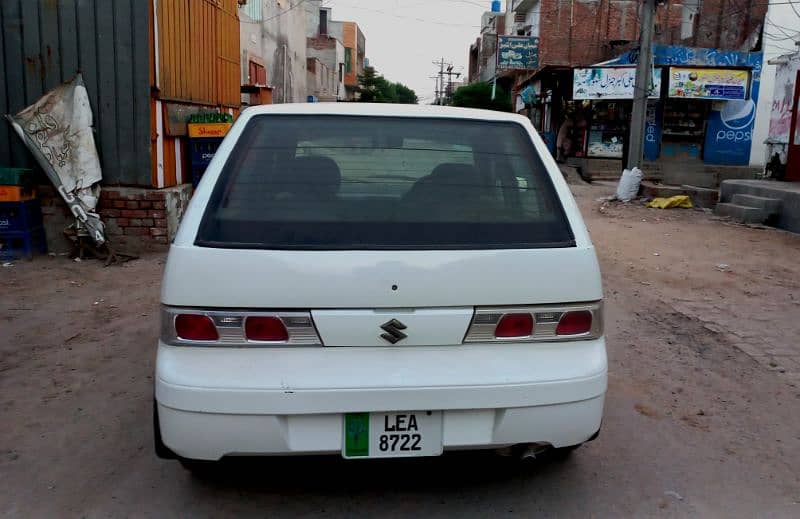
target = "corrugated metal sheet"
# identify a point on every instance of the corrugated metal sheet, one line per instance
(198, 45)
(45, 42)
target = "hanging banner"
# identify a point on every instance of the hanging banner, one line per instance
(518, 52)
(57, 129)
(708, 83)
(610, 83)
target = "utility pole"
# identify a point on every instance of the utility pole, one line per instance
(440, 92)
(449, 89)
(641, 89)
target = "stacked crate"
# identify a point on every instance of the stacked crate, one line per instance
(21, 229)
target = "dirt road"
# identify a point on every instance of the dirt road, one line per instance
(702, 416)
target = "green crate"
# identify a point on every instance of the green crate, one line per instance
(16, 177)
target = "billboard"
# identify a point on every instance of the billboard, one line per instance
(708, 83)
(518, 52)
(609, 83)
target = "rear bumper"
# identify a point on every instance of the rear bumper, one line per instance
(215, 402)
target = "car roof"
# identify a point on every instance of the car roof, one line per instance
(383, 110)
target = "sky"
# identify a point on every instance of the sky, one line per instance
(405, 37)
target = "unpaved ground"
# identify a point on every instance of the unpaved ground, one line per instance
(702, 418)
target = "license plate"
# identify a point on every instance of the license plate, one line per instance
(392, 435)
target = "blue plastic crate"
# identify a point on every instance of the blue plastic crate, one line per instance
(20, 216)
(22, 244)
(202, 150)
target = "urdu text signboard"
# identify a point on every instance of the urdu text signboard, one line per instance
(609, 83)
(518, 52)
(708, 83)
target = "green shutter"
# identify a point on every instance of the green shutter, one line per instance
(348, 60)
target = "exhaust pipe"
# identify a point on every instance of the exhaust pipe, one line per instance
(532, 451)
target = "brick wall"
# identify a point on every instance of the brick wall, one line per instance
(582, 32)
(136, 219)
(143, 215)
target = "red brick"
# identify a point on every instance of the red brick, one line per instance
(134, 213)
(159, 205)
(157, 214)
(154, 195)
(123, 222)
(136, 222)
(160, 239)
(119, 204)
(135, 231)
(158, 232)
(132, 205)
(147, 222)
(134, 196)
(110, 213)
(110, 194)
(160, 223)
(144, 204)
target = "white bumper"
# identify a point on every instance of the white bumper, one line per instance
(214, 402)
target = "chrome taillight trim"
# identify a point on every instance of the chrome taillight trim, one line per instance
(545, 321)
(230, 327)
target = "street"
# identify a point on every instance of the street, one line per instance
(702, 416)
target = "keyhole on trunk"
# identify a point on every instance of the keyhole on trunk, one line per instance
(394, 287)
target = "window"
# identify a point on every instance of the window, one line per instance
(323, 22)
(348, 60)
(252, 9)
(257, 73)
(337, 182)
(341, 72)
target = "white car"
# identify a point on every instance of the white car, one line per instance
(379, 281)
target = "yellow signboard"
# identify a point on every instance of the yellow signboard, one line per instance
(208, 129)
(708, 83)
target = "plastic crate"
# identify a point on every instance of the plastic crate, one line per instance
(20, 216)
(22, 244)
(16, 193)
(16, 177)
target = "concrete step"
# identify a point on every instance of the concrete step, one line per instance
(742, 213)
(653, 190)
(771, 205)
(702, 196)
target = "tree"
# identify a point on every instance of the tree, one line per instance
(479, 95)
(375, 88)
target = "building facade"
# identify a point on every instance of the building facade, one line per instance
(583, 44)
(273, 50)
(354, 42)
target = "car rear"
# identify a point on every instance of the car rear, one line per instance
(379, 281)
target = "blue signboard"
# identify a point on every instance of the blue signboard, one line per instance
(652, 130)
(518, 52)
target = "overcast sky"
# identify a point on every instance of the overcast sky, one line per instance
(404, 37)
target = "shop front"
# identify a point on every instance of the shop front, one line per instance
(707, 105)
(601, 107)
(701, 109)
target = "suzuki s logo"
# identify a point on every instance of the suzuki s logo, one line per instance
(393, 331)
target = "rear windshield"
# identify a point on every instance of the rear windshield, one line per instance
(345, 182)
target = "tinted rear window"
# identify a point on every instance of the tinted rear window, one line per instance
(338, 182)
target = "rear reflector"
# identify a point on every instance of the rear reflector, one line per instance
(514, 325)
(195, 327)
(575, 323)
(265, 329)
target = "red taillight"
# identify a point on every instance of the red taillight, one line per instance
(515, 325)
(266, 329)
(575, 323)
(195, 327)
